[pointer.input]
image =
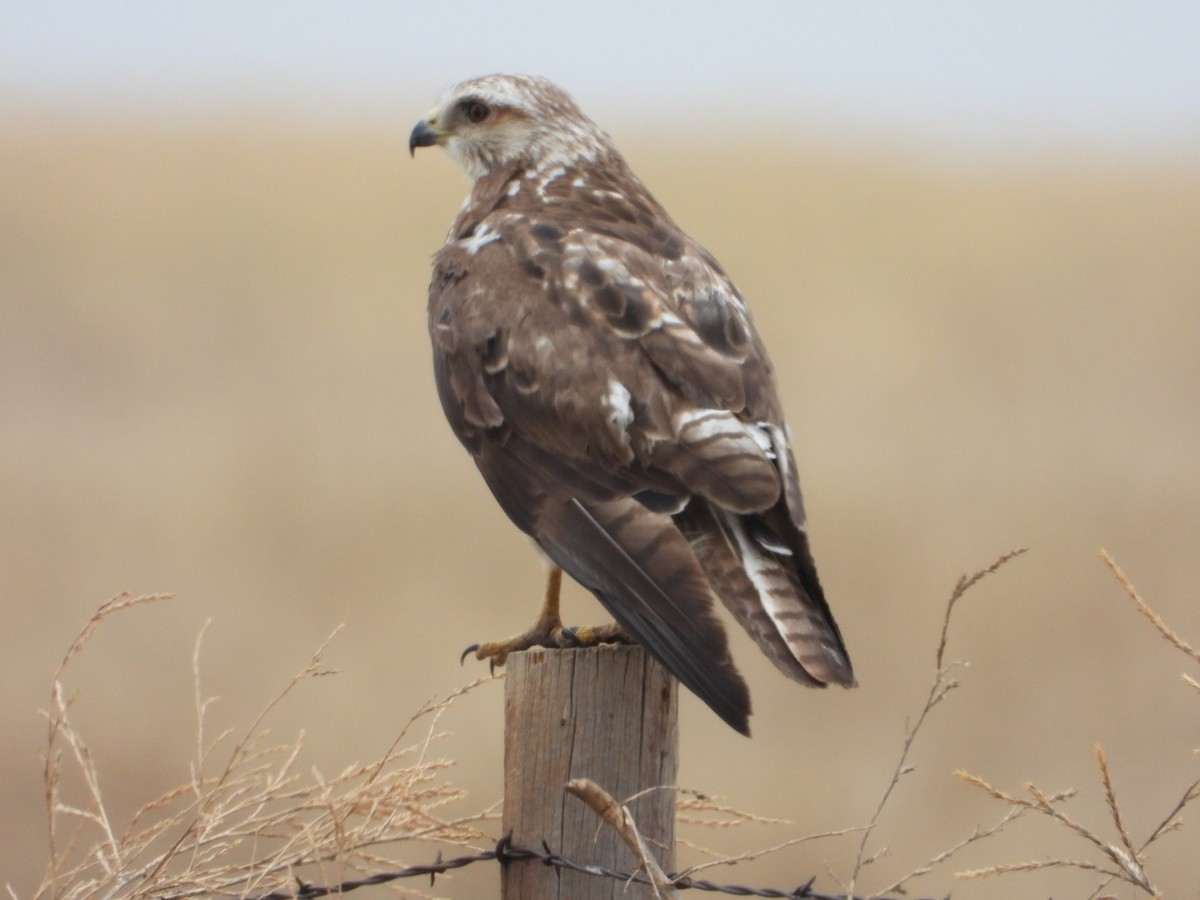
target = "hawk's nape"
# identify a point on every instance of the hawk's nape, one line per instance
(609, 382)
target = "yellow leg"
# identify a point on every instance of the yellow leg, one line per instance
(547, 630)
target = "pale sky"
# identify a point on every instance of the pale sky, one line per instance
(1122, 77)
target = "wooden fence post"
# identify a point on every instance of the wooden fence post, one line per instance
(607, 713)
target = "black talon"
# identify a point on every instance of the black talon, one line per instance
(569, 637)
(470, 649)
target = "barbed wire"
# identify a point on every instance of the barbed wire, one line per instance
(504, 852)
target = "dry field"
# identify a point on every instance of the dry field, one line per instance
(214, 382)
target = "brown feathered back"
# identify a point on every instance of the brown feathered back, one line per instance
(607, 378)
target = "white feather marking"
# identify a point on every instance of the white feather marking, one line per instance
(780, 438)
(700, 273)
(768, 542)
(514, 189)
(547, 178)
(679, 329)
(762, 437)
(614, 267)
(571, 152)
(760, 572)
(482, 236)
(617, 402)
(702, 424)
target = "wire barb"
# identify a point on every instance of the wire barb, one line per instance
(504, 852)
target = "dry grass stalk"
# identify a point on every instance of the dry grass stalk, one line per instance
(751, 855)
(937, 859)
(694, 808)
(1126, 862)
(1110, 797)
(256, 823)
(618, 817)
(1035, 865)
(1147, 611)
(249, 824)
(702, 811)
(942, 684)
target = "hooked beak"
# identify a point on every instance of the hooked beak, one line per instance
(423, 135)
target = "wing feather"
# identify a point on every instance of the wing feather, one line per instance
(642, 569)
(715, 456)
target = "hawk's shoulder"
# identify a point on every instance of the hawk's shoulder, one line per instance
(591, 264)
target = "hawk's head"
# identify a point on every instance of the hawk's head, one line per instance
(497, 121)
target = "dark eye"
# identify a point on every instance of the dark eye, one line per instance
(477, 111)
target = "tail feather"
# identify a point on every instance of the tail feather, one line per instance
(761, 568)
(719, 556)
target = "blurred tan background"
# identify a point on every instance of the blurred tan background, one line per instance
(214, 382)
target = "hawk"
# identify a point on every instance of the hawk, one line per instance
(606, 377)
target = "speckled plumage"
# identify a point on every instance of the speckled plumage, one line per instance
(607, 378)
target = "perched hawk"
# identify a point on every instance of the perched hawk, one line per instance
(605, 374)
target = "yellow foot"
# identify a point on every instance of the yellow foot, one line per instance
(547, 631)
